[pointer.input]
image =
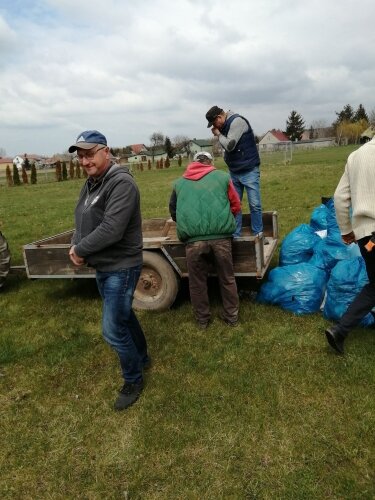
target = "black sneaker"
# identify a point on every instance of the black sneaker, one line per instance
(128, 395)
(335, 339)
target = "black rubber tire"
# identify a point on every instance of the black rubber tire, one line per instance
(158, 284)
(4, 259)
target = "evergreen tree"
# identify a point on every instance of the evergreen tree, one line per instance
(179, 160)
(168, 147)
(167, 162)
(346, 114)
(26, 163)
(78, 170)
(33, 174)
(149, 164)
(58, 172)
(71, 169)
(16, 176)
(25, 178)
(295, 126)
(9, 176)
(64, 171)
(360, 114)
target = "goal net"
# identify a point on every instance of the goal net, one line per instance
(276, 154)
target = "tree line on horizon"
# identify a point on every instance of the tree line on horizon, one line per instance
(347, 128)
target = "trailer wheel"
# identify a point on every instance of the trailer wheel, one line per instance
(4, 259)
(157, 286)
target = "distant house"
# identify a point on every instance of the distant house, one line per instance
(317, 133)
(138, 158)
(324, 142)
(275, 139)
(138, 148)
(6, 162)
(144, 156)
(38, 160)
(180, 152)
(196, 145)
(156, 155)
(272, 139)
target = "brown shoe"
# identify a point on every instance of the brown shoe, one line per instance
(203, 325)
(229, 322)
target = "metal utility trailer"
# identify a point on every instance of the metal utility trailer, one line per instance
(164, 259)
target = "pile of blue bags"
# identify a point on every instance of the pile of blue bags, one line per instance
(317, 271)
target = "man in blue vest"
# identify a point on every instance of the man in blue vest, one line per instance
(241, 155)
(203, 204)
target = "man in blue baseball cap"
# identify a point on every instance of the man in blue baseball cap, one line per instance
(87, 140)
(108, 237)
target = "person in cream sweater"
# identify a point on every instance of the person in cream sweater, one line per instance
(354, 200)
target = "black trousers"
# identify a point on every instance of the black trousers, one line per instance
(365, 300)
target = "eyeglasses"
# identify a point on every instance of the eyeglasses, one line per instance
(89, 156)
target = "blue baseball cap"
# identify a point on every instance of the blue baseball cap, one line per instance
(88, 140)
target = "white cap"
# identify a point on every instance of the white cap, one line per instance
(201, 154)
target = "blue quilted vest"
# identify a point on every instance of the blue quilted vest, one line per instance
(245, 155)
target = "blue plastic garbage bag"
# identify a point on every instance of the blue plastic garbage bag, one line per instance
(318, 257)
(329, 251)
(298, 245)
(318, 220)
(346, 281)
(298, 288)
(335, 250)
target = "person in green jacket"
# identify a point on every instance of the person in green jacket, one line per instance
(204, 204)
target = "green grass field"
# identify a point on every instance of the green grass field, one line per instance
(260, 411)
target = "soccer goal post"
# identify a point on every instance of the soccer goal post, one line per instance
(280, 153)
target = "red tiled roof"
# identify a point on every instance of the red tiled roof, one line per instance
(6, 160)
(279, 135)
(30, 156)
(137, 148)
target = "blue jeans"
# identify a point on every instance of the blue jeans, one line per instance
(121, 329)
(249, 181)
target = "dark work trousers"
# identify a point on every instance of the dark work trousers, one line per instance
(199, 256)
(365, 300)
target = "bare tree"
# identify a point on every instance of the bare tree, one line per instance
(182, 143)
(321, 129)
(157, 140)
(371, 117)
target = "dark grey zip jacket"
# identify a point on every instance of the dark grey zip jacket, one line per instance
(108, 223)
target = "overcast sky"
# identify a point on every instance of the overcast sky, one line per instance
(131, 68)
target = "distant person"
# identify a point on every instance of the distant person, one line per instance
(203, 204)
(108, 237)
(354, 200)
(241, 155)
